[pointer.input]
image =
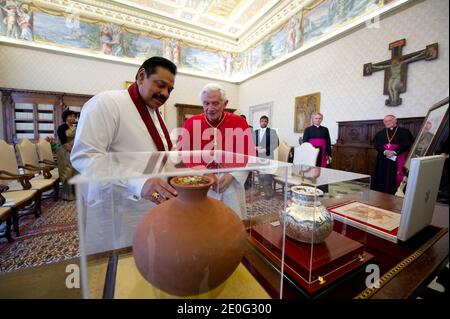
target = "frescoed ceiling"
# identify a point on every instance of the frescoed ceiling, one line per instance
(230, 18)
(226, 39)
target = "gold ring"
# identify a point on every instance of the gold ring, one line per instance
(156, 196)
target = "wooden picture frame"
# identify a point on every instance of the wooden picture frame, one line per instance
(305, 106)
(432, 132)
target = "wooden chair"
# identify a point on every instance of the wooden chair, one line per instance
(22, 203)
(284, 150)
(304, 154)
(43, 180)
(281, 154)
(23, 191)
(45, 154)
(5, 215)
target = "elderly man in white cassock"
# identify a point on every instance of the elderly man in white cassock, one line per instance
(218, 130)
(124, 121)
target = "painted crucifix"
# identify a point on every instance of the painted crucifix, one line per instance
(395, 69)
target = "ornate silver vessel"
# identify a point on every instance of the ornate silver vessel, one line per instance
(307, 220)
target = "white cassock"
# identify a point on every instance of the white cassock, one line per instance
(110, 122)
(234, 196)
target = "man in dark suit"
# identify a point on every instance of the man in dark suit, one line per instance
(266, 141)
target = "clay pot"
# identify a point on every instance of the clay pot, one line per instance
(189, 244)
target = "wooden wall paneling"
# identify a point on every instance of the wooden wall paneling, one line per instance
(357, 134)
(58, 100)
(8, 115)
(354, 151)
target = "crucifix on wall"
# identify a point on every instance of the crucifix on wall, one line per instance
(395, 69)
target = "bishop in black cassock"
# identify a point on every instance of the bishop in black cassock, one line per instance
(319, 136)
(392, 144)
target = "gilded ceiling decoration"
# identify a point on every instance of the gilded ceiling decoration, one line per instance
(224, 39)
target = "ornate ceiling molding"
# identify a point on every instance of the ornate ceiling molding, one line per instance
(133, 19)
(154, 24)
(281, 14)
(232, 61)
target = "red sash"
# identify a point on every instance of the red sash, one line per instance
(142, 109)
(322, 144)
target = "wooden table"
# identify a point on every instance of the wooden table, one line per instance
(405, 268)
(49, 281)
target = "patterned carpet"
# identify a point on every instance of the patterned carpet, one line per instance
(50, 238)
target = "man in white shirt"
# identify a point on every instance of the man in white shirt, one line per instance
(123, 121)
(129, 121)
(218, 130)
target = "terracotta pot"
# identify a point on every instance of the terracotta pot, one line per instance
(189, 244)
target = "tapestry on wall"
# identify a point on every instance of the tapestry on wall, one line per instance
(305, 106)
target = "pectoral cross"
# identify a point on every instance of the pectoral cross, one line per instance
(213, 164)
(395, 69)
(215, 137)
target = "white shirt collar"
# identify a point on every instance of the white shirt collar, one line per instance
(261, 133)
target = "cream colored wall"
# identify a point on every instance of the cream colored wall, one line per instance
(31, 69)
(335, 70)
(1, 119)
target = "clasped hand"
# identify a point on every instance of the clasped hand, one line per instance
(389, 154)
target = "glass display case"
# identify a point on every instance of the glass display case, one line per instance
(218, 225)
(136, 244)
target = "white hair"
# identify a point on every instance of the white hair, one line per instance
(317, 113)
(211, 87)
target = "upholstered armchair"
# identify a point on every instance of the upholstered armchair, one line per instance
(43, 180)
(44, 150)
(284, 150)
(24, 191)
(283, 153)
(304, 154)
(9, 171)
(5, 214)
(30, 162)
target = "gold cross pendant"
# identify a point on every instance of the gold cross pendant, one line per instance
(215, 137)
